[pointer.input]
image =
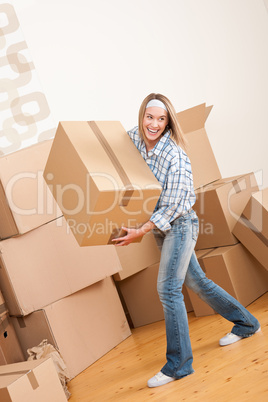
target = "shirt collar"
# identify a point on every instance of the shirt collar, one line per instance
(160, 144)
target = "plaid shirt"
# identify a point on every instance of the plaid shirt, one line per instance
(172, 168)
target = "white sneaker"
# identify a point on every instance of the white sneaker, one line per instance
(229, 339)
(159, 379)
(232, 338)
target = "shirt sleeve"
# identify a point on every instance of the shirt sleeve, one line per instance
(172, 199)
(134, 135)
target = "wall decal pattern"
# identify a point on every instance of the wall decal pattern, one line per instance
(25, 117)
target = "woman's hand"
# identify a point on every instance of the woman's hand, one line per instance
(133, 234)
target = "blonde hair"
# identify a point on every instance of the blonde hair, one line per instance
(173, 124)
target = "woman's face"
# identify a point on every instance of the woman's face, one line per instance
(155, 121)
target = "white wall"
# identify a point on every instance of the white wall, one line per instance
(99, 59)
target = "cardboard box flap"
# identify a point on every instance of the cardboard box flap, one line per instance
(218, 183)
(255, 216)
(194, 118)
(198, 148)
(262, 197)
(252, 227)
(31, 381)
(208, 110)
(203, 253)
(239, 183)
(219, 251)
(16, 370)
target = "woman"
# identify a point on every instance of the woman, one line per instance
(160, 141)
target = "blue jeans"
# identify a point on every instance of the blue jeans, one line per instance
(179, 265)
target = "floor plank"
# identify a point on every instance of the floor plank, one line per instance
(237, 372)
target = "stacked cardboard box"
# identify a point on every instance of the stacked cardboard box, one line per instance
(227, 210)
(137, 257)
(26, 203)
(235, 270)
(219, 206)
(10, 349)
(31, 381)
(140, 297)
(83, 326)
(42, 264)
(252, 226)
(47, 264)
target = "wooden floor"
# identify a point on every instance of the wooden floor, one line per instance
(237, 372)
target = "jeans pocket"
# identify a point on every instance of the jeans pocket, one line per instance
(195, 228)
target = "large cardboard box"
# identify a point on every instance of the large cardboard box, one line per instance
(47, 264)
(99, 180)
(137, 256)
(25, 201)
(219, 206)
(83, 326)
(10, 349)
(235, 270)
(140, 298)
(204, 165)
(31, 381)
(252, 227)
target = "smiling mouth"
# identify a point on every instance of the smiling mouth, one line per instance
(152, 131)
